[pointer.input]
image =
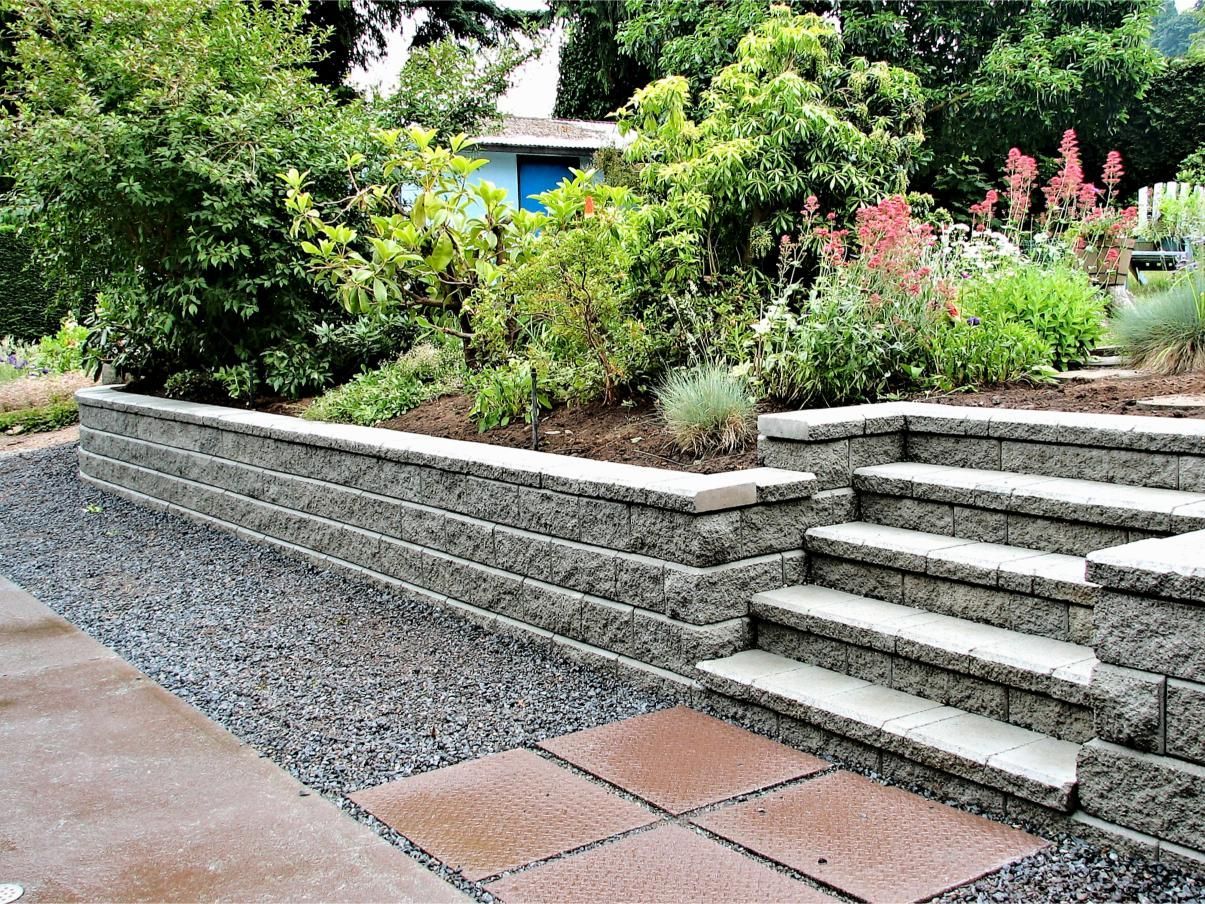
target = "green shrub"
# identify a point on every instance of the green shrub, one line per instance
(967, 355)
(28, 306)
(1058, 303)
(147, 139)
(62, 351)
(502, 394)
(1166, 332)
(54, 416)
(425, 372)
(706, 409)
(195, 386)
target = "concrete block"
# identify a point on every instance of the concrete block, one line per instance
(604, 523)
(858, 578)
(640, 581)
(943, 785)
(1155, 635)
(766, 529)
(585, 568)
(900, 511)
(704, 595)
(1048, 715)
(403, 561)
(831, 746)
(704, 642)
(607, 624)
(803, 646)
(523, 553)
(827, 460)
(955, 451)
(469, 538)
(489, 500)
(548, 512)
(1185, 719)
(1065, 537)
(1127, 706)
(657, 639)
(1171, 567)
(880, 449)
(551, 608)
(794, 567)
(980, 524)
(1091, 463)
(1191, 473)
(688, 539)
(1157, 795)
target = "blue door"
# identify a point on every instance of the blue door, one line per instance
(539, 174)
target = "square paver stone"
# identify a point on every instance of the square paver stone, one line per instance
(681, 760)
(667, 864)
(500, 812)
(870, 841)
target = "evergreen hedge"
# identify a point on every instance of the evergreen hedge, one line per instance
(28, 307)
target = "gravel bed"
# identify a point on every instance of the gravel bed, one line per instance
(347, 685)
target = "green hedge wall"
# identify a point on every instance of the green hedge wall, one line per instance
(28, 309)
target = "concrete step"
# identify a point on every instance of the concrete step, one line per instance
(1029, 681)
(1028, 764)
(1056, 514)
(1025, 590)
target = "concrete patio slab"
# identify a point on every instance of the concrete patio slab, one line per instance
(116, 790)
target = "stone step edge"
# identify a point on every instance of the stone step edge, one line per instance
(1057, 498)
(941, 560)
(905, 636)
(1027, 764)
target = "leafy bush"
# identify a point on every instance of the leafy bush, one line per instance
(706, 409)
(425, 372)
(503, 393)
(1059, 303)
(29, 307)
(195, 386)
(147, 139)
(57, 414)
(1166, 333)
(62, 351)
(972, 353)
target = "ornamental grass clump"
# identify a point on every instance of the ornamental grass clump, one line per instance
(706, 409)
(1166, 334)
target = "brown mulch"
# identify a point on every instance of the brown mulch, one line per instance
(27, 442)
(604, 433)
(34, 392)
(1111, 396)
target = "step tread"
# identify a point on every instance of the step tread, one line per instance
(1016, 568)
(1054, 667)
(1035, 766)
(1067, 498)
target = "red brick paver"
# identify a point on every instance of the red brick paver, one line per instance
(500, 812)
(666, 864)
(112, 789)
(681, 760)
(870, 841)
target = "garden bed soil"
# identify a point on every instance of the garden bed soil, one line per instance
(631, 435)
(1110, 396)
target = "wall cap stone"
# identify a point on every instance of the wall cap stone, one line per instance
(1172, 567)
(657, 487)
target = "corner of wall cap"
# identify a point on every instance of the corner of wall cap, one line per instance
(819, 424)
(1182, 554)
(97, 393)
(700, 493)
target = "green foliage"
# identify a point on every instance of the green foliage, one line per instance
(1173, 30)
(707, 409)
(1166, 331)
(28, 306)
(969, 354)
(567, 300)
(146, 140)
(55, 415)
(62, 351)
(1192, 167)
(433, 234)
(503, 393)
(1167, 126)
(789, 119)
(450, 87)
(594, 78)
(195, 386)
(1058, 303)
(425, 372)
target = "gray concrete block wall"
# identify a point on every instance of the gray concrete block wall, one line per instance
(657, 569)
(1145, 770)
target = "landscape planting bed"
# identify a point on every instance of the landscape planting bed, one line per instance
(1109, 396)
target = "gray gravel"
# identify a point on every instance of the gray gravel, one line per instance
(347, 685)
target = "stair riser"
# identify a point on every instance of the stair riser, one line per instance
(1016, 705)
(1056, 619)
(846, 736)
(1074, 538)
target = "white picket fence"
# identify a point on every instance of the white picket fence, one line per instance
(1149, 198)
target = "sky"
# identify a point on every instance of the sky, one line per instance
(533, 90)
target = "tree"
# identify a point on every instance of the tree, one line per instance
(1167, 126)
(356, 32)
(595, 78)
(145, 147)
(1173, 30)
(451, 87)
(995, 74)
(790, 124)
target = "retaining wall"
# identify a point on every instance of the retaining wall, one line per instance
(649, 568)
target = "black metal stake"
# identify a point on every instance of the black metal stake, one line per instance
(535, 413)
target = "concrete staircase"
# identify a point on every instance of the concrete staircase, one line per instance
(951, 627)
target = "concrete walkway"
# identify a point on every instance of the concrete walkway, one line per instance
(113, 789)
